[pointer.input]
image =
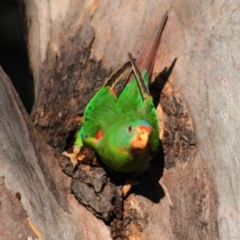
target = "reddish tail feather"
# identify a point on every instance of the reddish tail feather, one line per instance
(147, 58)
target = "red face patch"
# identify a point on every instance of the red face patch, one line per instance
(145, 128)
(99, 134)
(121, 149)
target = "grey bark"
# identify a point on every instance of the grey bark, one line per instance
(42, 206)
(73, 46)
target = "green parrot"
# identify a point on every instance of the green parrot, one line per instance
(123, 129)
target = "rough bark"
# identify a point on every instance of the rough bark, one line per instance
(36, 201)
(73, 46)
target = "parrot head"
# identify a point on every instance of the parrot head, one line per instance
(131, 136)
(140, 134)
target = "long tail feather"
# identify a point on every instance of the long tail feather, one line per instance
(143, 88)
(146, 60)
(115, 77)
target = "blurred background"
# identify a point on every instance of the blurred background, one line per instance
(13, 51)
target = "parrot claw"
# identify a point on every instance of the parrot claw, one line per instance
(74, 156)
(128, 185)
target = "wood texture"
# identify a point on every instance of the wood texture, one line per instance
(42, 205)
(204, 37)
(73, 46)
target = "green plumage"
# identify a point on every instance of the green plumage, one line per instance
(114, 125)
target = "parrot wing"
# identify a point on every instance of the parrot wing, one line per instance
(99, 112)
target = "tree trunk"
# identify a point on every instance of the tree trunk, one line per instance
(73, 46)
(35, 194)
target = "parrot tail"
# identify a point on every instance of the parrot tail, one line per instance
(116, 76)
(146, 60)
(143, 87)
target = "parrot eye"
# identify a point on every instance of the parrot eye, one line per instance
(130, 128)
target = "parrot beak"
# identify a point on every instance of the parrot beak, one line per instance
(141, 140)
